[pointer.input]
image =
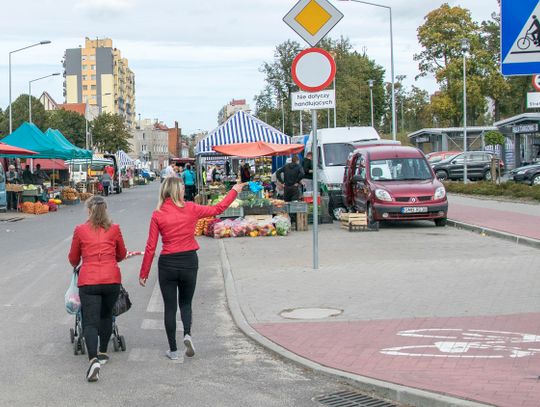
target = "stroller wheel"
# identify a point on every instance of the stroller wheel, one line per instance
(122, 341)
(72, 334)
(82, 344)
(115, 344)
(76, 348)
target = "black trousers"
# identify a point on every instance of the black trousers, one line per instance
(12, 200)
(190, 192)
(97, 302)
(177, 280)
(291, 193)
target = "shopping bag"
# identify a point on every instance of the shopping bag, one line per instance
(72, 299)
(123, 303)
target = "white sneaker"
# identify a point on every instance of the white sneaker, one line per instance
(92, 375)
(172, 355)
(190, 349)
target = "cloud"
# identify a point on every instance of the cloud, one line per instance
(103, 9)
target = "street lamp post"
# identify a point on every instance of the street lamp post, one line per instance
(394, 123)
(465, 47)
(12, 52)
(30, 93)
(371, 82)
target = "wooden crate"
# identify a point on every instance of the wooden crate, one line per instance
(354, 222)
(301, 222)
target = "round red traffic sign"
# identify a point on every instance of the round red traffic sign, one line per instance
(536, 82)
(313, 69)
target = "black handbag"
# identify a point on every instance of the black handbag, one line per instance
(123, 303)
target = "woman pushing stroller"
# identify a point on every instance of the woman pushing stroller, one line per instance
(100, 246)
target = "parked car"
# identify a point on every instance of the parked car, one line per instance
(393, 183)
(478, 166)
(149, 175)
(334, 147)
(439, 156)
(529, 174)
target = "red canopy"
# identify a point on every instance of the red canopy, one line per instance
(258, 149)
(47, 164)
(6, 149)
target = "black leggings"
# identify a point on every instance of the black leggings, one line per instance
(177, 280)
(97, 302)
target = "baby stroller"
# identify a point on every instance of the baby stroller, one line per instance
(76, 333)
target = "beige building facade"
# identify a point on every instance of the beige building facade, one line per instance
(150, 144)
(99, 76)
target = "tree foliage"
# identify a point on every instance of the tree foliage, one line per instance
(71, 124)
(494, 138)
(20, 114)
(110, 133)
(273, 103)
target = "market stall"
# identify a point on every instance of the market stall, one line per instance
(241, 128)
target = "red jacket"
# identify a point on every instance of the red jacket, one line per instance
(100, 251)
(177, 228)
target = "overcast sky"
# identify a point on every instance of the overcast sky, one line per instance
(191, 57)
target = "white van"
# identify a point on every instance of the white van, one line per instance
(334, 147)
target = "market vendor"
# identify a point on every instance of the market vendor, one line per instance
(40, 176)
(12, 177)
(27, 176)
(290, 175)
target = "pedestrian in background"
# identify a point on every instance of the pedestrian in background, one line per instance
(307, 165)
(106, 182)
(12, 177)
(189, 181)
(290, 175)
(245, 173)
(98, 243)
(27, 176)
(175, 220)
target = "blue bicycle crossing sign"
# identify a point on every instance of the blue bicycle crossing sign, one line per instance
(520, 37)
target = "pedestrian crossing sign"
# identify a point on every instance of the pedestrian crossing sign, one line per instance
(520, 37)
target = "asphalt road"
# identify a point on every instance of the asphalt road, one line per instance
(38, 365)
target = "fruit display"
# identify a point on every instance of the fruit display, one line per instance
(40, 209)
(27, 207)
(278, 203)
(69, 194)
(282, 224)
(83, 196)
(55, 201)
(202, 226)
(243, 227)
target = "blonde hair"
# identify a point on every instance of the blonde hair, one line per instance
(173, 188)
(98, 218)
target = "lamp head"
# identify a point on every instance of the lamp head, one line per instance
(56, 74)
(44, 42)
(371, 82)
(465, 44)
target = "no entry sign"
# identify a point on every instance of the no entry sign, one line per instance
(313, 69)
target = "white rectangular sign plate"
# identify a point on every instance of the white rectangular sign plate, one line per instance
(325, 99)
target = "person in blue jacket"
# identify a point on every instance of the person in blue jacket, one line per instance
(189, 182)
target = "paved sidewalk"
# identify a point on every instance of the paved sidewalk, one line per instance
(435, 309)
(520, 219)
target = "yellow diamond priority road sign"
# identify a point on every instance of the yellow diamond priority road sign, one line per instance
(313, 19)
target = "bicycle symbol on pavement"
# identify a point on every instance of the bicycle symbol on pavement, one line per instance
(468, 343)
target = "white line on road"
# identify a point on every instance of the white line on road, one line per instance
(156, 301)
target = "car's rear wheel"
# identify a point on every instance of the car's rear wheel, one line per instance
(536, 180)
(487, 175)
(442, 175)
(440, 222)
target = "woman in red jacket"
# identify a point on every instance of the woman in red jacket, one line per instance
(100, 246)
(175, 219)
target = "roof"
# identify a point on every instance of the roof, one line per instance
(50, 164)
(386, 152)
(74, 107)
(241, 128)
(520, 118)
(442, 130)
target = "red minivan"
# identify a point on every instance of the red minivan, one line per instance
(393, 183)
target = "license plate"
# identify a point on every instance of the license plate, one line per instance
(414, 209)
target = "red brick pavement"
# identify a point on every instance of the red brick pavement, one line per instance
(504, 221)
(451, 367)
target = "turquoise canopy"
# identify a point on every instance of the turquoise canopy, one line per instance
(50, 145)
(59, 138)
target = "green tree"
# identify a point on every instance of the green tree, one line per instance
(352, 89)
(71, 124)
(110, 133)
(19, 114)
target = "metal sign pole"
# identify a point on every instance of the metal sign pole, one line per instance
(315, 153)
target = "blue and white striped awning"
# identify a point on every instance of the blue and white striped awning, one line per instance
(241, 128)
(124, 159)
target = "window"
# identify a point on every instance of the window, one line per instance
(360, 168)
(84, 58)
(336, 154)
(477, 157)
(92, 57)
(85, 99)
(93, 67)
(400, 169)
(85, 77)
(93, 87)
(93, 77)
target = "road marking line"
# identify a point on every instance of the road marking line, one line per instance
(157, 324)
(156, 301)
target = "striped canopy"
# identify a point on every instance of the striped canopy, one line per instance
(241, 128)
(124, 159)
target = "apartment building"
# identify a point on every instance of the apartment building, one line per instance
(234, 106)
(150, 143)
(97, 74)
